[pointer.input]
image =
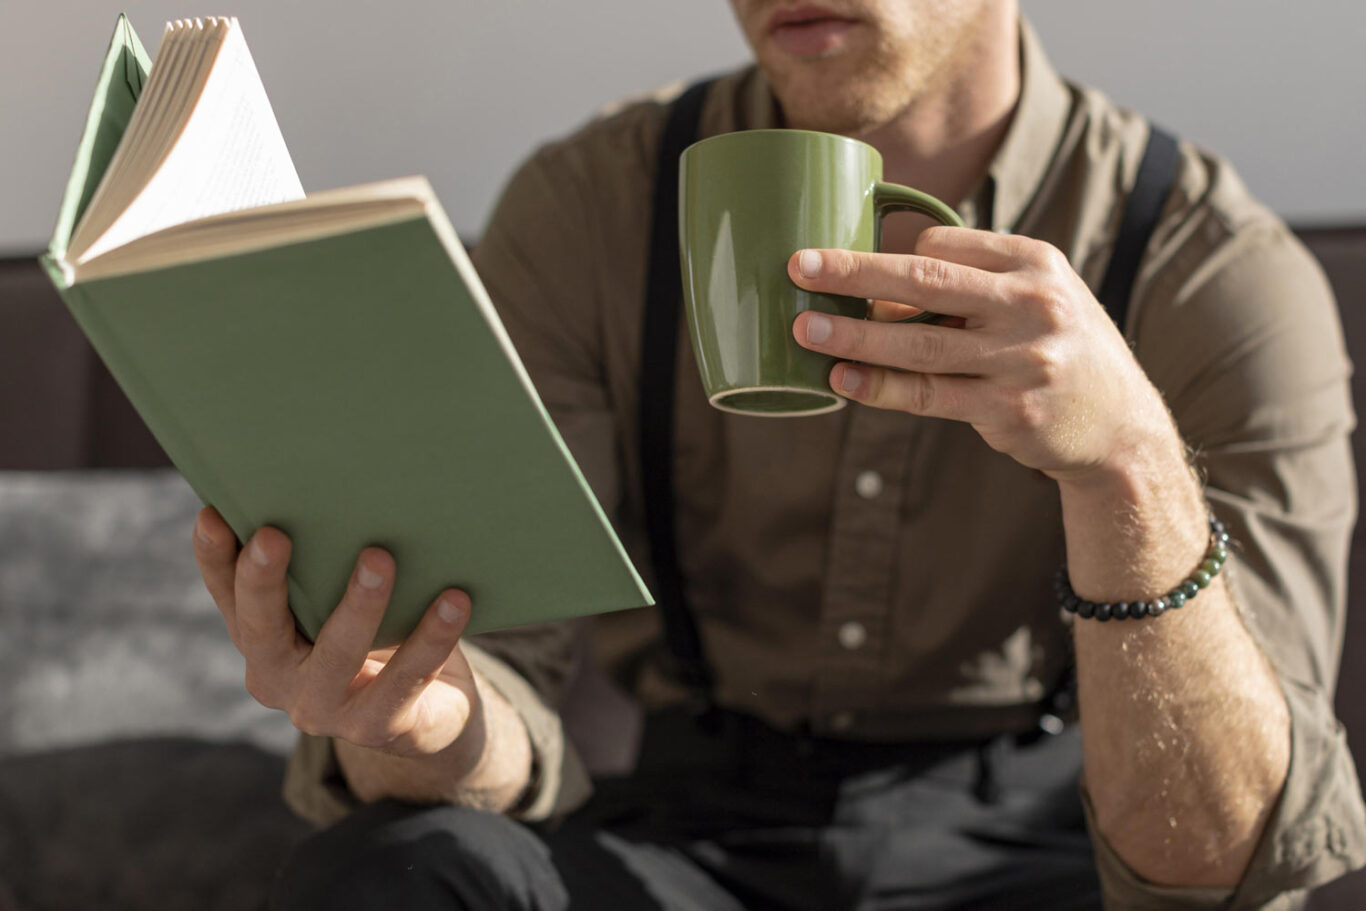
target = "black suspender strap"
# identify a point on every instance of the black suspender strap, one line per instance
(659, 347)
(1156, 173)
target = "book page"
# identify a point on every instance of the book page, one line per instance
(323, 214)
(224, 152)
(174, 81)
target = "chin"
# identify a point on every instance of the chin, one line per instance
(850, 115)
(851, 91)
(837, 95)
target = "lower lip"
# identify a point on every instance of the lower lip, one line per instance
(810, 39)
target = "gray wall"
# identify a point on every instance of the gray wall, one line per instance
(460, 90)
(1276, 85)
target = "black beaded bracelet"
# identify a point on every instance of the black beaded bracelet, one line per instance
(1214, 560)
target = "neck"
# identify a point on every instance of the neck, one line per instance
(943, 142)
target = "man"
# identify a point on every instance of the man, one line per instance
(874, 587)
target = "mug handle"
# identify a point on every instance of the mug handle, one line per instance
(893, 197)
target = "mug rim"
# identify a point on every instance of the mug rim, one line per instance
(786, 132)
(718, 401)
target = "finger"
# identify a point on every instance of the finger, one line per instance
(985, 250)
(921, 281)
(215, 552)
(265, 626)
(906, 346)
(925, 394)
(345, 639)
(420, 659)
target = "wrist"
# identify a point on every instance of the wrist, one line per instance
(375, 773)
(487, 766)
(1145, 446)
(1136, 526)
(1147, 476)
(494, 767)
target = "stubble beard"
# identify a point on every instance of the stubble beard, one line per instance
(842, 93)
(857, 90)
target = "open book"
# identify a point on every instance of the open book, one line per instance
(329, 363)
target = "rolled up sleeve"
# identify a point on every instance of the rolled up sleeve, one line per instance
(1247, 348)
(1314, 835)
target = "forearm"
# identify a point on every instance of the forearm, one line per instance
(488, 766)
(1185, 730)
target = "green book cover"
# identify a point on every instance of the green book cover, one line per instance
(351, 385)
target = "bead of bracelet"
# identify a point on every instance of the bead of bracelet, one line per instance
(1215, 558)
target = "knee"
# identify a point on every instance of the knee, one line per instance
(437, 858)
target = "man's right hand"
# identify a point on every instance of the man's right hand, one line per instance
(414, 701)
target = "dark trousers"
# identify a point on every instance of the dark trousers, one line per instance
(733, 815)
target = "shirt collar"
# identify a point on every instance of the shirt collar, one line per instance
(1031, 141)
(1020, 164)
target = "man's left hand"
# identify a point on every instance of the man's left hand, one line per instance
(1034, 363)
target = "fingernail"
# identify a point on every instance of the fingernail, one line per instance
(201, 537)
(448, 611)
(809, 263)
(852, 380)
(258, 553)
(818, 328)
(368, 578)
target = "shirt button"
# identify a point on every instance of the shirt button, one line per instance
(841, 721)
(868, 484)
(852, 635)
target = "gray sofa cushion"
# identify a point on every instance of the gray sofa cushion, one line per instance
(135, 770)
(105, 627)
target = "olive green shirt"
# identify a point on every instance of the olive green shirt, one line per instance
(873, 575)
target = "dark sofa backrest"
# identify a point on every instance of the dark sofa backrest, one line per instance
(59, 407)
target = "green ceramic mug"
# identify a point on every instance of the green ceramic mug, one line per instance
(747, 202)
